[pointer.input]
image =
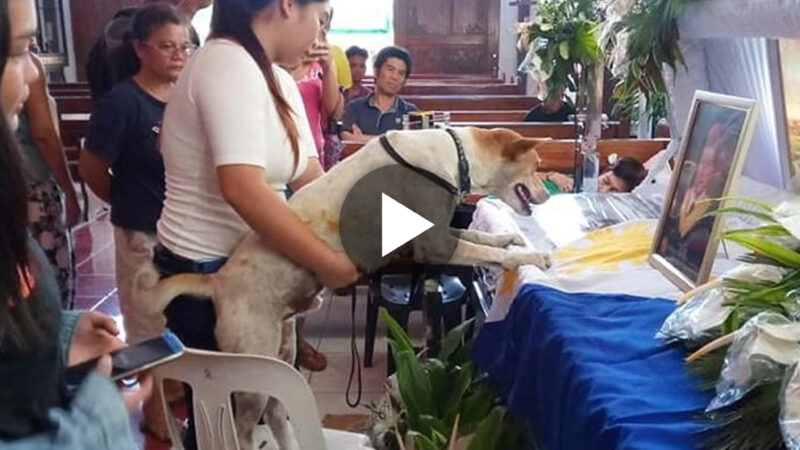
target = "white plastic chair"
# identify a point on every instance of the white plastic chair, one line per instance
(214, 376)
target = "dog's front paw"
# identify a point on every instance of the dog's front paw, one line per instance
(517, 239)
(538, 259)
(506, 239)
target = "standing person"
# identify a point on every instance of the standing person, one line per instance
(357, 58)
(123, 136)
(108, 65)
(37, 340)
(315, 74)
(52, 201)
(383, 110)
(234, 140)
(342, 70)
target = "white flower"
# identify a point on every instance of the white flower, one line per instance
(619, 56)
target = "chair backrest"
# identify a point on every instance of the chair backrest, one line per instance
(214, 376)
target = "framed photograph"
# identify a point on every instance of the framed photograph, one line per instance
(790, 99)
(717, 136)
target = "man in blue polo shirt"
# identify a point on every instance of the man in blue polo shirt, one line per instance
(383, 110)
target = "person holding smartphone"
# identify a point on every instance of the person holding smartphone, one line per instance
(37, 340)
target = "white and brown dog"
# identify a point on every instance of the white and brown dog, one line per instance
(258, 287)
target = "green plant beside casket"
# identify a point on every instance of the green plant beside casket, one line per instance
(564, 35)
(441, 403)
(641, 38)
(745, 330)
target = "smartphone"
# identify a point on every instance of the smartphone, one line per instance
(131, 360)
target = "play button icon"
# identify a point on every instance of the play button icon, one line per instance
(395, 212)
(399, 224)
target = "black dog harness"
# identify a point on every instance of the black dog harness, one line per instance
(463, 166)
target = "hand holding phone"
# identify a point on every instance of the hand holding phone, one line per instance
(134, 395)
(95, 335)
(129, 361)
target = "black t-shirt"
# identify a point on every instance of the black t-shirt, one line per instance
(124, 130)
(538, 114)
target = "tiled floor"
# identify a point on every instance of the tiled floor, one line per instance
(328, 329)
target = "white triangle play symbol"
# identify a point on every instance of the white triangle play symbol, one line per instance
(399, 224)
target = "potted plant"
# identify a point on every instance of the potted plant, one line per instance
(443, 402)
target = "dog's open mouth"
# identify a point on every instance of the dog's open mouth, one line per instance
(525, 197)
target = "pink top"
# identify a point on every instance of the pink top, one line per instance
(311, 90)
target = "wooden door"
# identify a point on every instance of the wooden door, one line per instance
(449, 36)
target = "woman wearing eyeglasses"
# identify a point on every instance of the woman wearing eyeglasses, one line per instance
(122, 163)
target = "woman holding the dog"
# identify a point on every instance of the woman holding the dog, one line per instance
(234, 138)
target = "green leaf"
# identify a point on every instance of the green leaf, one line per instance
(453, 339)
(489, 431)
(440, 382)
(415, 387)
(747, 201)
(396, 332)
(768, 249)
(476, 405)
(431, 426)
(742, 211)
(439, 439)
(545, 27)
(423, 442)
(731, 323)
(765, 231)
(563, 50)
(460, 386)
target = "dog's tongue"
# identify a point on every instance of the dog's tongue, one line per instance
(525, 196)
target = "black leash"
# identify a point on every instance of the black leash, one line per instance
(355, 358)
(464, 188)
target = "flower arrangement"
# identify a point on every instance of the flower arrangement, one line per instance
(745, 330)
(641, 39)
(562, 42)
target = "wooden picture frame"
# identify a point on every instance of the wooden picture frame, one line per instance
(717, 136)
(788, 102)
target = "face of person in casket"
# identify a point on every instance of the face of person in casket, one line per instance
(609, 183)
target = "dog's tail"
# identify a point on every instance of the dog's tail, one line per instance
(156, 294)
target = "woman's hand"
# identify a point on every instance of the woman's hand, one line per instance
(133, 396)
(95, 335)
(337, 271)
(320, 52)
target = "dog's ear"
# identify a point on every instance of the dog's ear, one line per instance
(521, 148)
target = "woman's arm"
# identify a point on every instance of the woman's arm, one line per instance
(332, 97)
(44, 131)
(95, 420)
(243, 186)
(356, 135)
(94, 171)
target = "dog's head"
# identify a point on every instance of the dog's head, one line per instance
(504, 164)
